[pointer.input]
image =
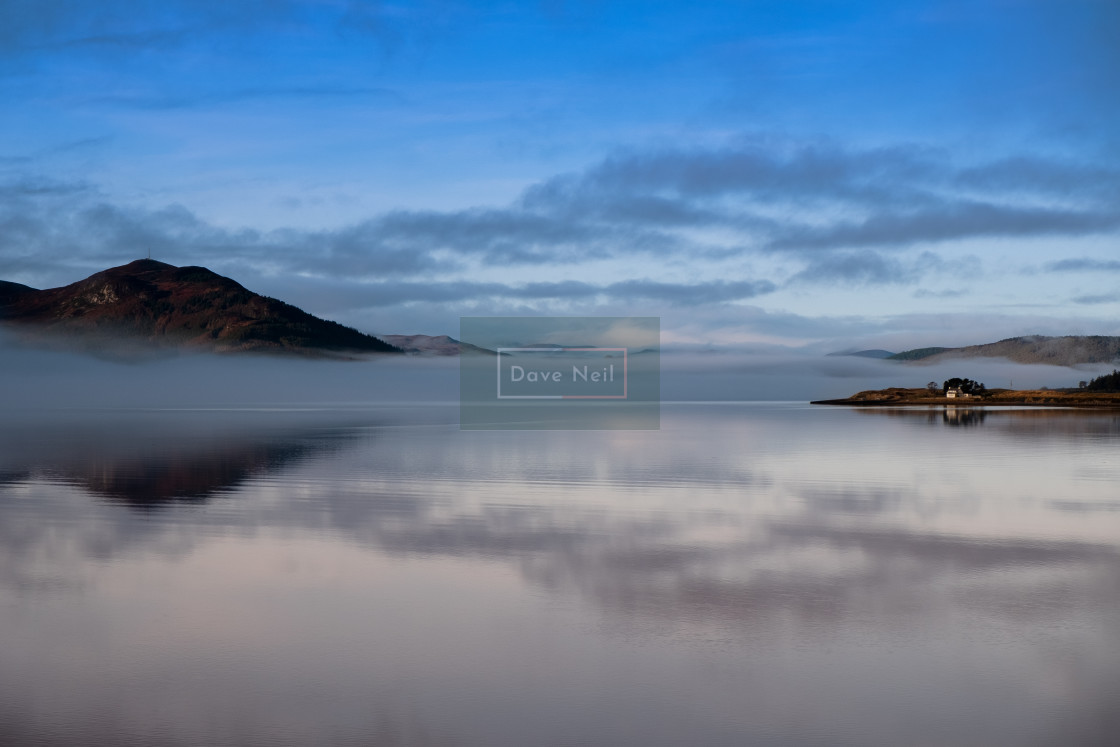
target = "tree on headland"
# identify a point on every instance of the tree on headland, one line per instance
(932, 387)
(967, 386)
(1106, 383)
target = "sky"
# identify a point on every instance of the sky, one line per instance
(787, 175)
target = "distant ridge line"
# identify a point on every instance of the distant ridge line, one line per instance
(1068, 350)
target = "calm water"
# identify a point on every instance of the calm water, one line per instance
(751, 574)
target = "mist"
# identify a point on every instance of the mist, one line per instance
(33, 379)
(802, 376)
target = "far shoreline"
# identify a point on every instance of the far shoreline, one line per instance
(900, 397)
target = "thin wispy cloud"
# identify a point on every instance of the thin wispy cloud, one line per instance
(865, 268)
(671, 294)
(1084, 264)
(1094, 299)
(160, 100)
(29, 26)
(952, 220)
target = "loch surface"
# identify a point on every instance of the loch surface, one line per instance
(750, 574)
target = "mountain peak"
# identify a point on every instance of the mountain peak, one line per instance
(136, 268)
(147, 304)
(147, 263)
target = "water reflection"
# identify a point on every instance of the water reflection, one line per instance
(939, 415)
(760, 575)
(963, 417)
(154, 480)
(146, 459)
(1024, 420)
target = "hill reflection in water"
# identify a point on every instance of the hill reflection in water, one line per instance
(144, 459)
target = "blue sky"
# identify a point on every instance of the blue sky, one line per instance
(816, 175)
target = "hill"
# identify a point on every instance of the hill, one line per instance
(438, 345)
(148, 305)
(877, 353)
(9, 292)
(917, 354)
(1071, 350)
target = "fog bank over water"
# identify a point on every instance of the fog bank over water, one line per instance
(37, 378)
(794, 376)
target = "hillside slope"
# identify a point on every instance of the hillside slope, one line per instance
(1070, 350)
(150, 305)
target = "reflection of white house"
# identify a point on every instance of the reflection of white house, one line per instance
(956, 392)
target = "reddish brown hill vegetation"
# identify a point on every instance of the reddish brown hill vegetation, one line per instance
(157, 305)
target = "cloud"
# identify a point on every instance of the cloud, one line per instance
(29, 26)
(948, 221)
(903, 195)
(39, 186)
(1090, 300)
(499, 236)
(151, 100)
(1084, 264)
(674, 294)
(1033, 174)
(26, 24)
(754, 196)
(764, 167)
(812, 212)
(690, 294)
(857, 267)
(926, 293)
(395, 244)
(81, 144)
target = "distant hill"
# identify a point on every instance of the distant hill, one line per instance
(440, 345)
(918, 354)
(1071, 350)
(879, 354)
(151, 306)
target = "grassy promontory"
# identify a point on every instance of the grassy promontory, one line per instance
(895, 396)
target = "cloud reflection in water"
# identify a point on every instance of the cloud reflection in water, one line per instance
(883, 579)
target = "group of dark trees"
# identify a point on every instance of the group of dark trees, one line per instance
(967, 386)
(1107, 383)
